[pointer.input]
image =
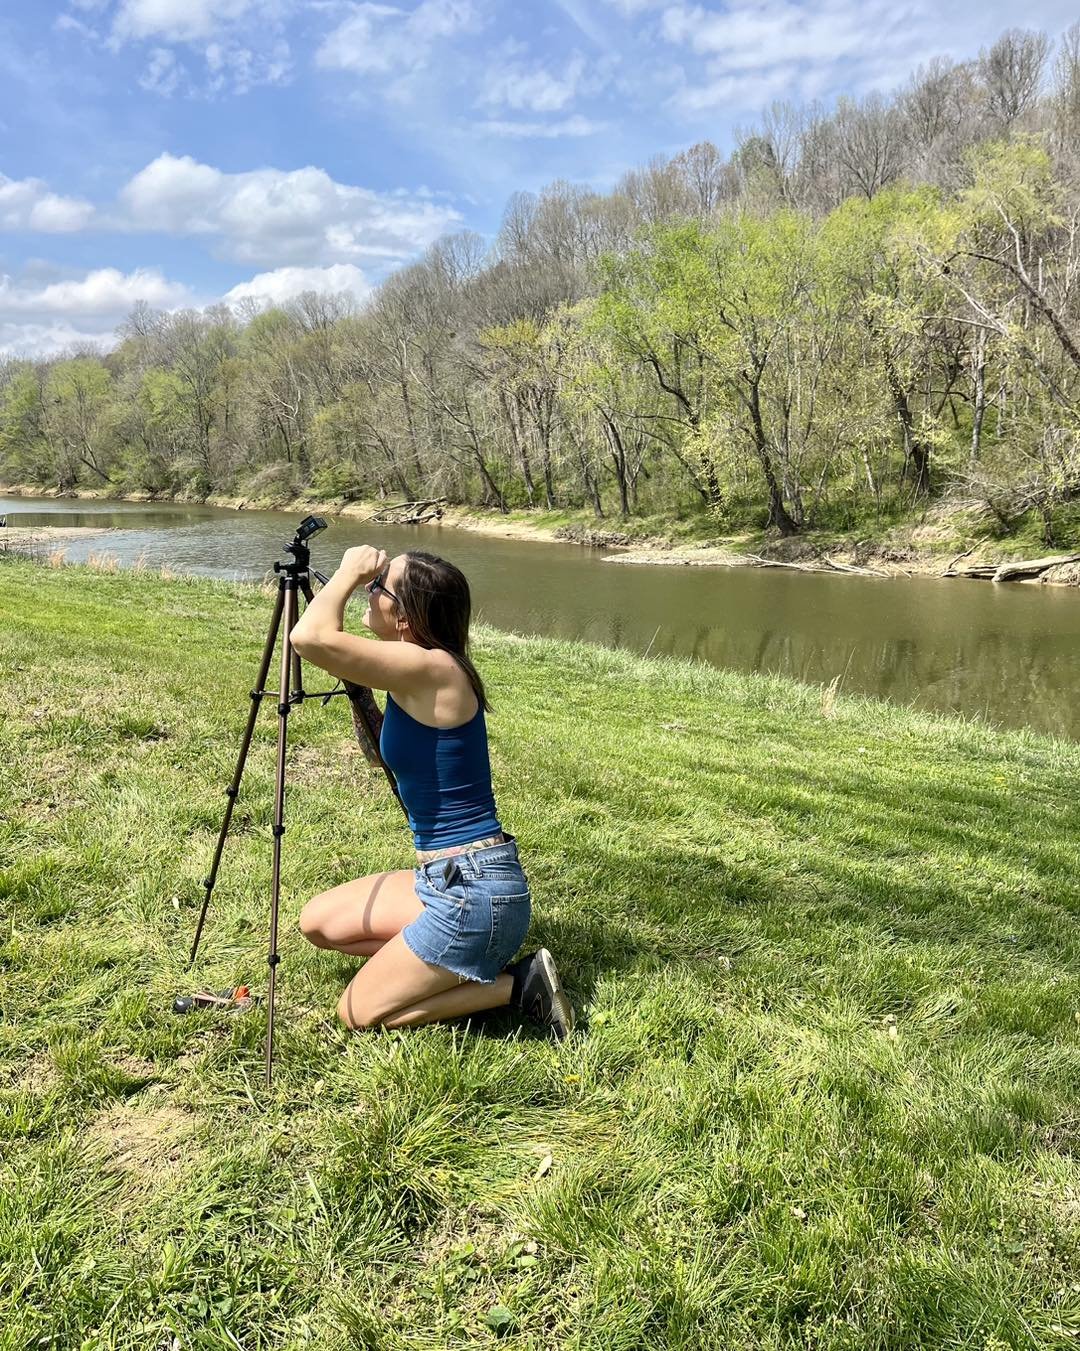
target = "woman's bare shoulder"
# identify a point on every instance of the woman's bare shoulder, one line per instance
(446, 699)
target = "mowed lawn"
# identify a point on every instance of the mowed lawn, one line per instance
(826, 1090)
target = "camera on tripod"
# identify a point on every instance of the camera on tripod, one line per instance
(294, 581)
(297, 546)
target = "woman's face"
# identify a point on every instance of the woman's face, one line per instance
(383, 616)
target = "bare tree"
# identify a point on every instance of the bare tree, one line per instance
(782, 125)
(817, 184)
(1065, 102)
(515, 230)
(703, 171)
(936, 103)
(870, 143)
(659, 191)
(1011, 73)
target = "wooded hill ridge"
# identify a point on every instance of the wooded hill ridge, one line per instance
(859, 310)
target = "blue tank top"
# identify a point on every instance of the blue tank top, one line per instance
(443, 775)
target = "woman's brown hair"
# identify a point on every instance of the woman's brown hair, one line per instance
(434, 595)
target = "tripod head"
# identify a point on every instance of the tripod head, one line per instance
(298, 547)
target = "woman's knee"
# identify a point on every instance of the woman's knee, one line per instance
(316, 919)
(358, 1012)
(369, 908)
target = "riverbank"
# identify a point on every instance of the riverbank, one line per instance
(825, 952)
(924, 549)
(19, 537)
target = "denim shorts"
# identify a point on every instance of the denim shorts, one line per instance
(476, 911)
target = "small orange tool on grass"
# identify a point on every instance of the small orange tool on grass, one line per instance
(236, 998)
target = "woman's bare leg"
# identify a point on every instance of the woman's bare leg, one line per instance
(359, 917)
(395, 988)
(469, 997)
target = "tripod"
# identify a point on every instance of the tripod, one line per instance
(294, 579)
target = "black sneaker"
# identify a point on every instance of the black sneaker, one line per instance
(539, 994)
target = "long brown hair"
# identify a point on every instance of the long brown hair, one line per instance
(434, 595)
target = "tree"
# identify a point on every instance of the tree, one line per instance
(1011, 73)
(705, 177)
(281, 390)
(523, 369)
(28, 454)
(1065, 101)
(616, 402)
(705, 312)
(1011, 257)
(78, 416)
(871, 145)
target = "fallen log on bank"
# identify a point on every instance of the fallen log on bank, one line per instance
(1011, 572)
(850, 567)
(1020, 570)
(825, 565)
(409, 513)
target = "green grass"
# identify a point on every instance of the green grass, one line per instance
(826, 1093)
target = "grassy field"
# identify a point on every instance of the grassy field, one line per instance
(827, 1088)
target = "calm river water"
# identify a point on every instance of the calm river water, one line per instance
(1009, 654)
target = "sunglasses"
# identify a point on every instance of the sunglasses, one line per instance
(377, 584)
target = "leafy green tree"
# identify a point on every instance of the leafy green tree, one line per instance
(79, 415)
(899, 305)
(28, 456)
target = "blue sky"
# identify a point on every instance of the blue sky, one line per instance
(189, 151)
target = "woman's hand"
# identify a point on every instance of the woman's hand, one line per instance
(323, 616)
(362, 564)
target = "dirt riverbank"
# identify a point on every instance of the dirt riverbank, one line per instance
(27, 535)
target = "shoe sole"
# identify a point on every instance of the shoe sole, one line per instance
(562, 1010)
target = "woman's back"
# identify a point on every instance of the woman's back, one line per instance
(443, 775)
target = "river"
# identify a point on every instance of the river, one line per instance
(1009, 654)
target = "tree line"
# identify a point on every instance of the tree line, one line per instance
(857, 310)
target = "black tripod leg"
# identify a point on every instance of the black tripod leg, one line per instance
(232, 792)
(279, 811)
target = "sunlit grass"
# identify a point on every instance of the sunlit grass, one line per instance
(826, 953)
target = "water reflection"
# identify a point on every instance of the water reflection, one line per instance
(1007, 653)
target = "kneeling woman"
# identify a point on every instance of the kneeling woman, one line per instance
(438, 937)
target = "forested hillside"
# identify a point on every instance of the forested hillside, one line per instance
(857, 311)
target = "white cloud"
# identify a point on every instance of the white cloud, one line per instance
(744, 89)
(579, 15)
(567, 126)
(27, 204)
(273, 216)
(163, 73)
(42, 315)
(68, 23)
(105, 291)
(241, 43)
(40, 320)
(176, 20)
(283, 283)
(537, 90)
(45, 340)
(756, 50)
(241, 68)
(749, 36)
(379, 39)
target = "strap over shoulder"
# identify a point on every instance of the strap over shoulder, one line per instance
(367, 723)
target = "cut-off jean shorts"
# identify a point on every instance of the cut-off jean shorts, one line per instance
(476, 911)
